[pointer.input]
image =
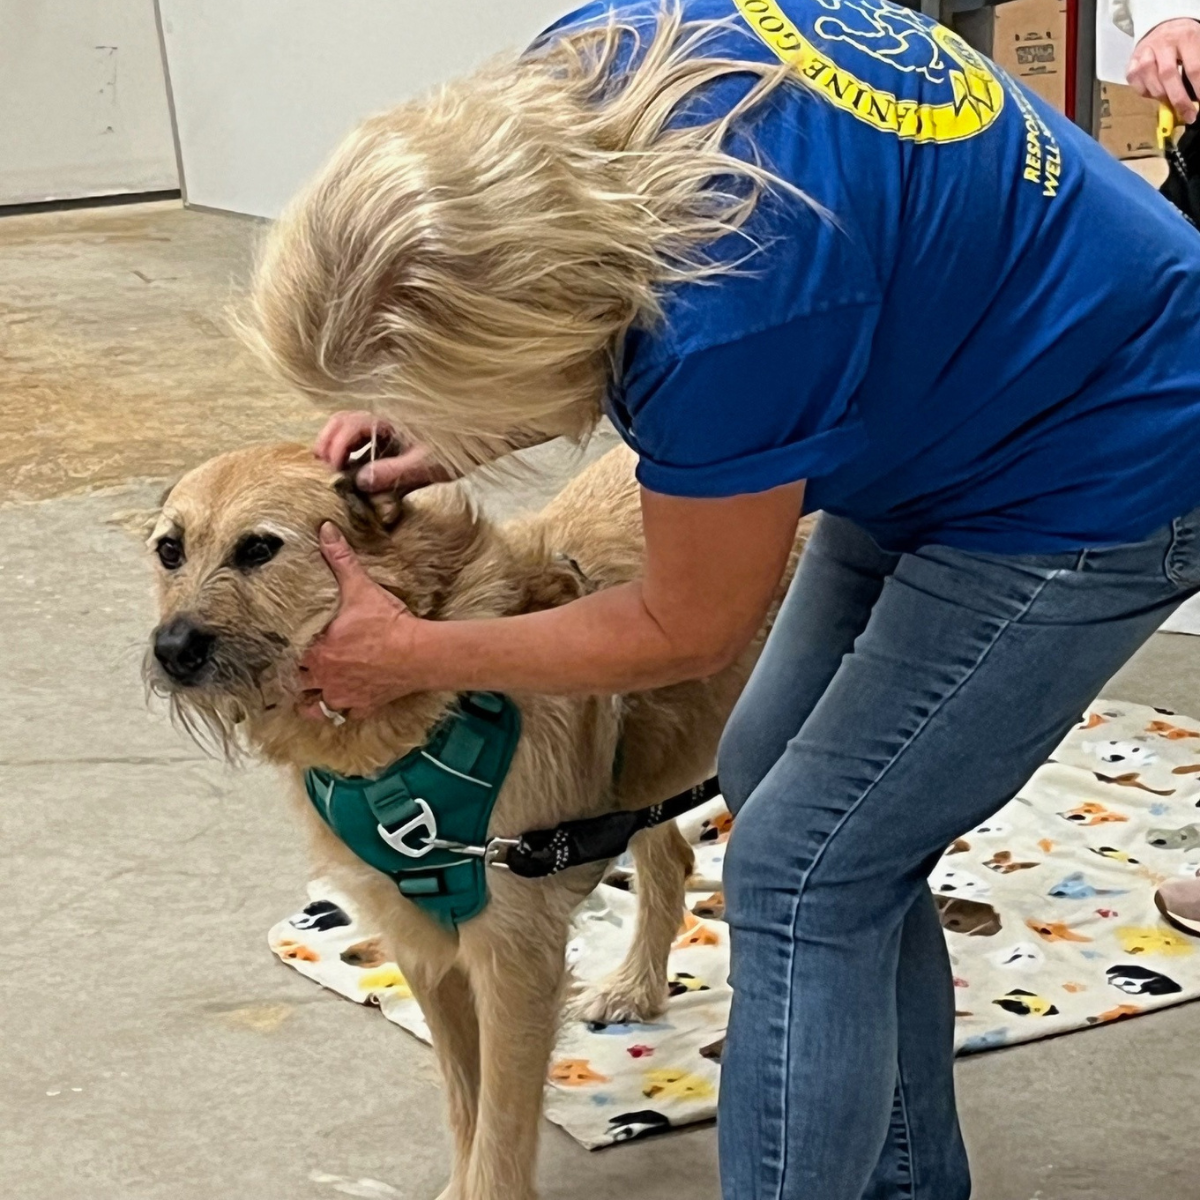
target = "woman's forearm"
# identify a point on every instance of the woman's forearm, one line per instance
(711, 568)
(607, 642)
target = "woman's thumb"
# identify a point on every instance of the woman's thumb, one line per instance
(341, 558)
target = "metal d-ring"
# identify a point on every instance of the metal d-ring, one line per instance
(424, 823)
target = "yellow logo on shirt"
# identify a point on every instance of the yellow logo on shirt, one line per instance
(890, 34)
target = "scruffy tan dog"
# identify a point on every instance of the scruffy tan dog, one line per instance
(243, 590)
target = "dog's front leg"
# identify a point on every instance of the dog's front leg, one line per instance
(516, 958)
(448, 1006)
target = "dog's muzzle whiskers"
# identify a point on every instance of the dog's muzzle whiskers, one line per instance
(211, 710)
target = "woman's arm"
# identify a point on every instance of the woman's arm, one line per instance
(712, 567)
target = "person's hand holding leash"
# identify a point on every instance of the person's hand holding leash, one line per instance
(1154, 68)
(359, 662)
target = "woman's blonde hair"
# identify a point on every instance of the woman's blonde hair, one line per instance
(468, 264)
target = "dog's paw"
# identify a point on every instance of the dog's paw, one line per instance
(619, 1001)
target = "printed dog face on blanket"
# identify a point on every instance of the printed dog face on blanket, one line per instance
(711, 907)
(321, 915)
(1141, 981)
(1187, 837)
(1091, 813)
(387, 979)
(624, 1127)
(694, 932)
(1119, 1013)
(575, 1072)
(1054, 931)
(1021, 1003)
(718, 828)
(1003, 862)
(1076, 887)
(1173, 733)
(1154, 939)
(968, 916)
(1129, 752)
(950, 881)
(1024, 956)
(673, 1083)
(683, 982)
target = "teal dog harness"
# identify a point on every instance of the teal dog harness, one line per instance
(424, 820)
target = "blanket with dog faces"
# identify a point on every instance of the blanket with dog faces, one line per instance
(1048, 910)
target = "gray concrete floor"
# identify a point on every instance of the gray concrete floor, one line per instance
(153, 1046)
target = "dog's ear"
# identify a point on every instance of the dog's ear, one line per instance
(371, 513)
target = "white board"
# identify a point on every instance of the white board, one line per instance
(1113, 46)
(264, 90)
(83, 102)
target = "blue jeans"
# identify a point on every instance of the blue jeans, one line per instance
(900, 700)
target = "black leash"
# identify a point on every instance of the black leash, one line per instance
(544, 852)
(1182, 186)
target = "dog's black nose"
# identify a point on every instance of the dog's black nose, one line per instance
(183, 648)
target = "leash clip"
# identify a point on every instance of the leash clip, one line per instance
(493, 854)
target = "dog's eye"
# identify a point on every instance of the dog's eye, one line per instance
(255, 550)
(170, 553)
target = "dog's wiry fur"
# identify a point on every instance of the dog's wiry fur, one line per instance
(491, 992)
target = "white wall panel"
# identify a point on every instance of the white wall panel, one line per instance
(83, 102)
(264, 89)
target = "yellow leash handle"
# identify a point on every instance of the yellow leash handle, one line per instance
(1167, 121)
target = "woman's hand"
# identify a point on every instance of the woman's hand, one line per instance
(399, 469)
(1154, 67)
(365, 657)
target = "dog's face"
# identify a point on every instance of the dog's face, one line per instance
(242, 585)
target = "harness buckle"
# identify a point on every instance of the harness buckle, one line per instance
(423, 823)
(493, 854)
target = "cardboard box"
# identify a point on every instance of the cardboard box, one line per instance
(1117, 100)
(1129, 137)
(1029, 40)
(1128, 122)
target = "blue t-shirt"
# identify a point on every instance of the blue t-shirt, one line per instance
(992, 342)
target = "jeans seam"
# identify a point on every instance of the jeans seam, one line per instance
(1005, 625)
(1170, 570)
(910, 1152)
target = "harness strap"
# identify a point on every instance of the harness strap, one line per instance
(544, 852)
(406, 822)
(420, 820)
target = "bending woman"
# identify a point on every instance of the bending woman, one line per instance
(805, 257)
